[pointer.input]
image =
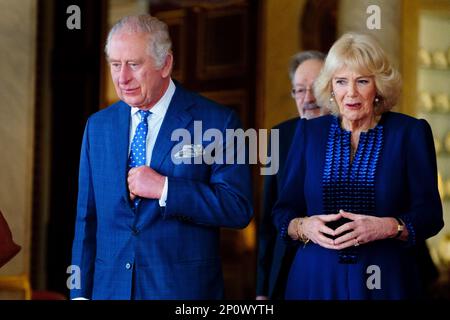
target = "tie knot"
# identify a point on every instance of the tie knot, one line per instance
(144, 114)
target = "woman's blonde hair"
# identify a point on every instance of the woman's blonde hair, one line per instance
(361, 53)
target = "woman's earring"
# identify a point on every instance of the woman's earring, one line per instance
(332, 96)
(377, 99)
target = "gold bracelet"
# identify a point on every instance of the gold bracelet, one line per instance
(296, 229)
(301, 236)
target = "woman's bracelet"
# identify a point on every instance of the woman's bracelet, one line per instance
(301, 235)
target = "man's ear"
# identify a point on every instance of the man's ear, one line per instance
(166, 70)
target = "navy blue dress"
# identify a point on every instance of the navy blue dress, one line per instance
(393, 174)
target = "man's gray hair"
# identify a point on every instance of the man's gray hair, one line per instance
(301, 57)
(159, 45)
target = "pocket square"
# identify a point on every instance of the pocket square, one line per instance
(189, 151)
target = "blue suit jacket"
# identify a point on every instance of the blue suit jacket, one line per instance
(155, 252)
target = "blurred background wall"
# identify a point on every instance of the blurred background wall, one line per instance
(18, 23)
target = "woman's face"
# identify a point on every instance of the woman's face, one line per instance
(354, 93)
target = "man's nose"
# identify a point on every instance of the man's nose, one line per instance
(124, 75)
(309, 95)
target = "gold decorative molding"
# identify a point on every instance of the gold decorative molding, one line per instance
(19, 283)
(410, 46)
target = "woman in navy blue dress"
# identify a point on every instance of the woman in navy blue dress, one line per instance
(360, 185)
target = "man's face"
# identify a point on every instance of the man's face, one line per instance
(304, 77)
(136, 79)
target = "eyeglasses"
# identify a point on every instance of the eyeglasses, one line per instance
(300, 92)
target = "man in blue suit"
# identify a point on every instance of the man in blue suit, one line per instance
(147, 226)
(274, 257)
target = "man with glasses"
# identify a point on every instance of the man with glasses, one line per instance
(274, 257)
(304, 69)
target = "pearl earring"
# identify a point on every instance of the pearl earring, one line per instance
(332, 96)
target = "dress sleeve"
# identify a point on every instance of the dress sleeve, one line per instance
(424, 218)
(291, 201)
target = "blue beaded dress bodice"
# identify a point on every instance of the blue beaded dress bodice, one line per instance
(350, 185)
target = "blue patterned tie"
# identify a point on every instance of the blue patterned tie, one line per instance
(138, 145)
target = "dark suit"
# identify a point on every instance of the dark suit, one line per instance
(155, 252)
(274, 257)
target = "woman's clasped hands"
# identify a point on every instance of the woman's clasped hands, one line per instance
(355, 229)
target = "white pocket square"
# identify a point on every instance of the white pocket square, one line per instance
(189, 151)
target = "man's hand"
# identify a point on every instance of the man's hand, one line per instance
(145, 182)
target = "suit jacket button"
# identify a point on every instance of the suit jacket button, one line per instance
(135, 231)
(128, 266)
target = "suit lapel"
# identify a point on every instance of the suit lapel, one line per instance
(120, 141)
(176, 117)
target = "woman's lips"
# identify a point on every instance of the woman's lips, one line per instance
(353, 105)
